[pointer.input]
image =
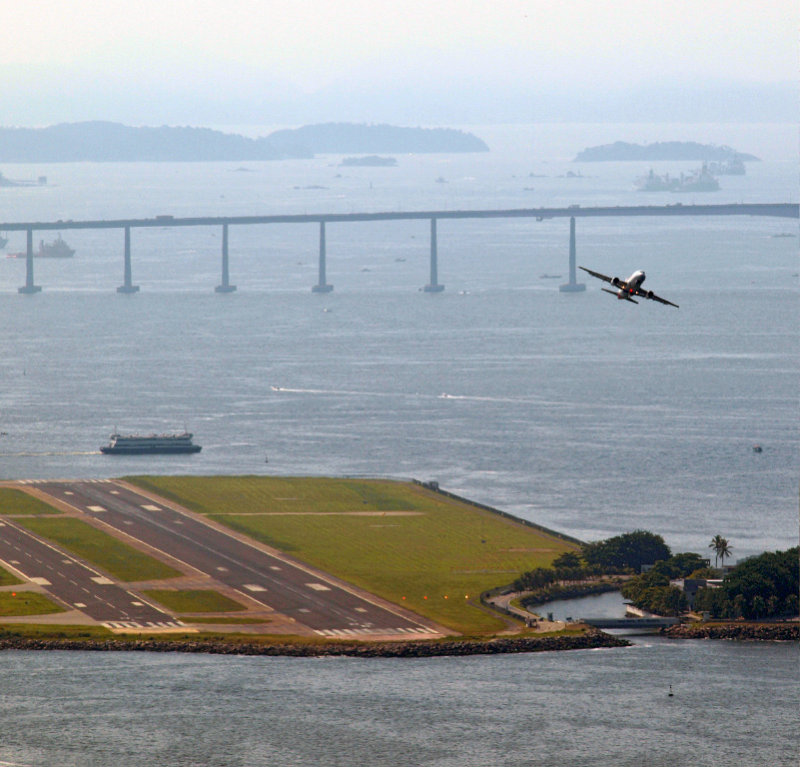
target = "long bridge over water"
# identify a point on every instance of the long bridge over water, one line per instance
(776, 210)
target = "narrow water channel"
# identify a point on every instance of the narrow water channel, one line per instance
(607, 605)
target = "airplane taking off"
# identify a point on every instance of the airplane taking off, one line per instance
(630, 287)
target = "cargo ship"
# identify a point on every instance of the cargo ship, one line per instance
(139, 444)
(55, 249)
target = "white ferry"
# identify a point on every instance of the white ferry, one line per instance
(139, 444)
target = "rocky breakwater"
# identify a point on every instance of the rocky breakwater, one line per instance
(768, 632)
(424, 649)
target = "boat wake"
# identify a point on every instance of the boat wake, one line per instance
(49, 452)
(443, 395)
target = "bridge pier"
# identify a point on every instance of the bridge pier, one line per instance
(127, 286)
(29, 288)
(433, 286)
(225, 286)
(322, 286)
(572, 286)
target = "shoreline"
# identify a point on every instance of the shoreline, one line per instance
(763, 632)
(425, 649)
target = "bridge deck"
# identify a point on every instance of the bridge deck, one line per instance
(779, 210)
(630, 623)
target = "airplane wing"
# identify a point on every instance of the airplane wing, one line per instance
(599, 276)
(649, 294)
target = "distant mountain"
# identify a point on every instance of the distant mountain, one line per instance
(666, 150)
(340, 138)
(107, 141)
(100, 141)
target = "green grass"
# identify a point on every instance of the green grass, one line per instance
(17, 502)
(194, 601)
(229, 621)
(7, 579)
(26, 603)
(107, 552)
(435, 561)
(47, 631)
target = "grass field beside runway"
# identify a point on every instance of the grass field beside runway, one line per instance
(14, 501)
(7, 579)
(193, 601)
(117, 558)
(403, 542)
(26, 603)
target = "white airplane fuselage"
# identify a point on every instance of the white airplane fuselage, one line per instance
(632, 284)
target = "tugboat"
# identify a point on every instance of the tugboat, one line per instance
(138, 444)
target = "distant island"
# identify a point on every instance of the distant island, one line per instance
(664, 150)
(335, 138)
(371, 161)
(100, 141)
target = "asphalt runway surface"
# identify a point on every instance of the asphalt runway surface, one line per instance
(75, 584)
(303, 594)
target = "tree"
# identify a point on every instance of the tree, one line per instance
(567, 560)
(627, 551)
(721, 549)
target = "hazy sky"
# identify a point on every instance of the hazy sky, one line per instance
(269, 61)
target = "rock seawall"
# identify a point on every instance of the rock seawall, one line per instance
(588, 640)
(783, 632)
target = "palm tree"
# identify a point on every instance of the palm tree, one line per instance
(724, 551)
(721, 549)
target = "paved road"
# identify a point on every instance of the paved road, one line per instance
(74, 583)
(291, 589)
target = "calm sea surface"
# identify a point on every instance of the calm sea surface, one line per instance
(575, 411)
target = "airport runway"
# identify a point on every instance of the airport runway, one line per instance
(294, 590)
(75, 583)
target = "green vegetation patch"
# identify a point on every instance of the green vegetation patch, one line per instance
(408, 544)
(194, 601)
(229, 621)
(7, 579)
(45, 631)
(26, 603)
(14, 501)
(101, 549)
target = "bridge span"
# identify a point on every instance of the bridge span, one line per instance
(775, 210)
(631, 624)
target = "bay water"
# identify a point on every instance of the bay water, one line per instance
(576, 411)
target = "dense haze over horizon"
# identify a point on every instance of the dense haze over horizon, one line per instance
(273, 62)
